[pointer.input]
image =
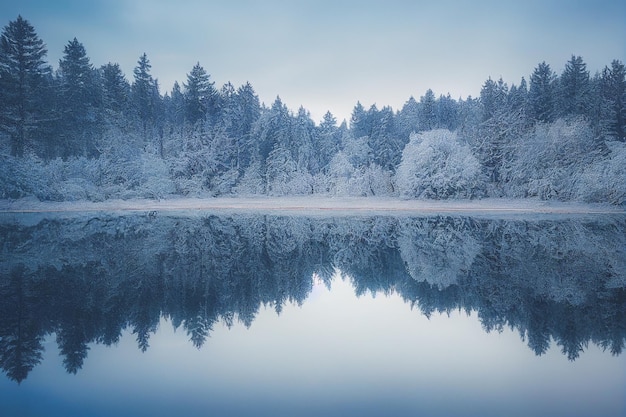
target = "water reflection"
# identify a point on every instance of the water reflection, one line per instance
(86, 280)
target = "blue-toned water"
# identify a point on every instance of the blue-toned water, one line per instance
(191, 314)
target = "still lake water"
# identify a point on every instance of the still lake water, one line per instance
(193, 314)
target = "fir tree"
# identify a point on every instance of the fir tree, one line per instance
(200, 96)
(23, 73)
(81, 100)
(574, 89)
(613, 96)
(541, 94)
(145, 94)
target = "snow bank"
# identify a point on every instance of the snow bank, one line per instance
(307, 205)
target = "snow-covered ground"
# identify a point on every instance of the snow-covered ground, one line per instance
(306, 205)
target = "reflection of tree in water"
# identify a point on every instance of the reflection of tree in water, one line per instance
(560, 282)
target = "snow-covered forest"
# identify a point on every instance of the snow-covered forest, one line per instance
(79, 132)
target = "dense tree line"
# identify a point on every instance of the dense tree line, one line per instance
(85, 132)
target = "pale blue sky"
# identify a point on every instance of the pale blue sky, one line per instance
(326, 55)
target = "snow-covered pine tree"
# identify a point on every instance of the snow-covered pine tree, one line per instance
(573, 96)
(541, 95)
(81, 101)
(23, 75)
(200, 96)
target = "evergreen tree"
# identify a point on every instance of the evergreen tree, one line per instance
(175, 109)
(493, 97)
(248, 110)
(23, 74)
(407, 120)
(359, 122)
(272, 130)
(81, 100)
(613, 97)
(541, 94)
(384, 142)
(428, 111)
(115, 91)
(328, 140)
(200, 96)
(574, 89)
(447, 113)
(303, 138)
(518, 97)
(145, 94)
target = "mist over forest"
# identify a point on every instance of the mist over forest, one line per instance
(80, 132)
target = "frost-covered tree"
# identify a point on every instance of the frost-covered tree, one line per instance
(574, 89)
(518, 97)
(447, 112)
(501, 126)
(283, 176)
(346, 177)
(603, 179)
(428, 111)
(359, 121)
(386, 145)
(23, 77)
(303, 141)
(174, 107)
(200, 96)
(145, 94)
(248, 111)
(407, 119)
(546, 161)
(613, 99)
(81, 101)
(328, 140)
(437, 164)
(493, 98)
(272, 130)
(115, 91)
(541, 96)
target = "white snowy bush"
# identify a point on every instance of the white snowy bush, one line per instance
(605, 179)
(349, 177)
(437, 165)
(251, 182)
(21, 177)
(547, 162)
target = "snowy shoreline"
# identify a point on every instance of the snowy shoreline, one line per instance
(307, 205)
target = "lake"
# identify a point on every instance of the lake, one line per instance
(193, 313)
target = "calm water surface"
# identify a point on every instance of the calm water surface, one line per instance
(188, 313)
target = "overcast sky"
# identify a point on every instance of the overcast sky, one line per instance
(326, 55)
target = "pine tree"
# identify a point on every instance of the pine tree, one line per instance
(115, 91)
(541, 94)
(359, 122)
(574, 89)
(81, 100)
(613, 96)
(384, 142)
(144, 93)
(407, 120)
(23, 74)
(428, 111)
(447, 113)
(248, 111)
(303, 135)
(328, 140)
(518, 97)
(493, 97)
(200, 96)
